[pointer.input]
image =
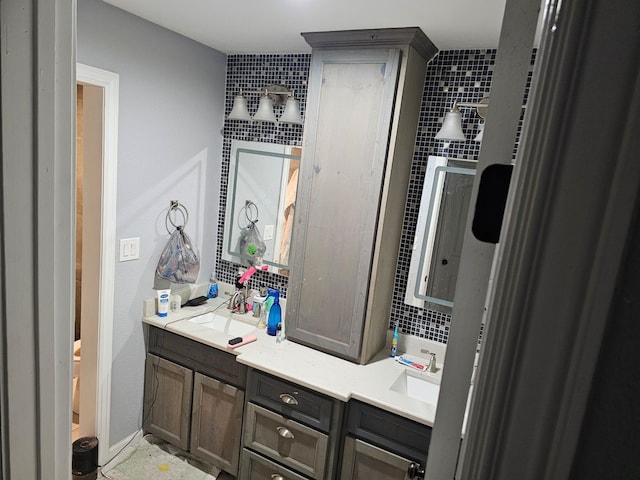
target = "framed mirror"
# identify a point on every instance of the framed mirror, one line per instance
(437, 246)
(261, 195)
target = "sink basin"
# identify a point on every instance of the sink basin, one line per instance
(232, 327)
(239, 329)
(417, 386)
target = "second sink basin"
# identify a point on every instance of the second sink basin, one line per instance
(417, 386)
(227, 325)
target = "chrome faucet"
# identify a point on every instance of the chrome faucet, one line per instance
(238, 301)
(431, 364)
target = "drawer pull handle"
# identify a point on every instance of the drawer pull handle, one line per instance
(284, 432)
(277, 476)
(288, 399)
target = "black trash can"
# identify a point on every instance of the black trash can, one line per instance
(84, 461)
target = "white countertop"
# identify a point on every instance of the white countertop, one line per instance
(310, 368)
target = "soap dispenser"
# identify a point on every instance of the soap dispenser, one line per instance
(275, 314)
(213, 286)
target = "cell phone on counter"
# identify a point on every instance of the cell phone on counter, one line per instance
(239, 341)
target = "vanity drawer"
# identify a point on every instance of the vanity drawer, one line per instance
(304, 405)
(286, 441)
(256, 467)
(389, 431)
(197, 356)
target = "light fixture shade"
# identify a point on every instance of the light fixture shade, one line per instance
(291, 112)
(265, 110)
(239, 110)
(451, 127)
(478, 137)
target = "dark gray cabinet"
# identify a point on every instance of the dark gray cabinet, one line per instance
(186, 406)
(363, 461)
(363, 104)
(379, 444)
(289, 431)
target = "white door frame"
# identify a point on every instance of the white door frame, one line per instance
(109, 82)
(507, 91)
(569, 215)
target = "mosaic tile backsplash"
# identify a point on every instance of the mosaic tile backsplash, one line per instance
(254, 72)
(462, 75)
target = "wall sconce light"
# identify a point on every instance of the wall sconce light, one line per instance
(452, 124)
(269, 96)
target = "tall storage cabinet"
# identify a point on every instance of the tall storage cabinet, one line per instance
(363, 103)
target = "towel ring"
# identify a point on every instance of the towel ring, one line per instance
(176, 207)
(248, 210)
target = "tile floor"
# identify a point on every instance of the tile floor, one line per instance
(153, 459)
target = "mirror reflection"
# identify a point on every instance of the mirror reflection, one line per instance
(261, 195)
(437, 246)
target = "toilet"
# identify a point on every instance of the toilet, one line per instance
(76, 377)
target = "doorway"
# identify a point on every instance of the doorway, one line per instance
(96, 159)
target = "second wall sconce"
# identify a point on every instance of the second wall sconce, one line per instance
(269, 96)
(452, 124)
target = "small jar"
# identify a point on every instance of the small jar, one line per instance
(175, 302)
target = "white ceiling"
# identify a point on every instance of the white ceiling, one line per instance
(274, 26)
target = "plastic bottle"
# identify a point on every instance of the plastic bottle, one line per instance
(163, 302)
(394, 341)
(271, 293)
(213, 287)
(275, 314)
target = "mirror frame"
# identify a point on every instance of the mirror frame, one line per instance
(426, 227)
(228, 253)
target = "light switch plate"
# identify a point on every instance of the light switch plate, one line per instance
(268, 232)
(129, 249)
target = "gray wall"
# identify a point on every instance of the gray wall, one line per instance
(171, 113)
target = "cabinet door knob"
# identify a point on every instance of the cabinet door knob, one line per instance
(277, 476)
(288, 399)
(284, 432)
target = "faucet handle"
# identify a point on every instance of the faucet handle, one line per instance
(424, 350)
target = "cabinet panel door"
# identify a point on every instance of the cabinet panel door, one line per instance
(216, 427)
(301, 448)
(351, 98)
(167, 400)
(362, 461)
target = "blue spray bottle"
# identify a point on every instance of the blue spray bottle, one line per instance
(275, 314)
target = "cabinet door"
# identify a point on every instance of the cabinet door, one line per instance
(216, 427)
(362, 461)
(351, 96)
(167, 400)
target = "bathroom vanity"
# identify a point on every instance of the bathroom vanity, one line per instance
(329, 402)
(194, 397)
(279, 410)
